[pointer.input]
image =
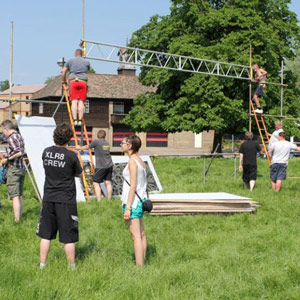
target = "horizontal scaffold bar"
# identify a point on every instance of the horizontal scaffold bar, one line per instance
(154, 59)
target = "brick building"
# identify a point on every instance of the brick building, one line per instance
(18, 92)
(110, 98)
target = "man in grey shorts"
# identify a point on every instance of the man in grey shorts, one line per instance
(280, 152)
(16, 172)
(104, 164)
(78, 67)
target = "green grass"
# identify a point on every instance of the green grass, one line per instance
(240, 256)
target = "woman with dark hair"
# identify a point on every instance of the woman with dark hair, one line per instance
(135, 183)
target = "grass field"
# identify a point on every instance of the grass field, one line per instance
(241, 256)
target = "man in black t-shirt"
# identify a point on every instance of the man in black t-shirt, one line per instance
(59, 208)
(248, 153)
(104, 164)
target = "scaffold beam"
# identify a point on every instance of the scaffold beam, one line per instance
(154, 59)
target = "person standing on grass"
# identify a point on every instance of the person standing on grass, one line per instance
(279, 152)
(274, 135)
(16, 171)
(78, 67)
(104, 164)
(248, 165)
(135, 182)
(59, 208)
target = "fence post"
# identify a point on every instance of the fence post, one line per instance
(204, 170)
(235, 166)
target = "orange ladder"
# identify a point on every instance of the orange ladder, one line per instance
(84, 175)
(262, 129)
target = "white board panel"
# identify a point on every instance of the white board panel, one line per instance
(153, 181)
(38, 135)
(197, 196)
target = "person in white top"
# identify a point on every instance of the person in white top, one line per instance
(280, 152)
(135, 182)
(274, 135)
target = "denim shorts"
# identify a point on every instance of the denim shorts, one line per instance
(135, 213)
(278, 172)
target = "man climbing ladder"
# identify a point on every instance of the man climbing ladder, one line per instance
(78, 67)
(261, 79)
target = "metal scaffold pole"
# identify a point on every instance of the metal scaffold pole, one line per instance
(11, 68)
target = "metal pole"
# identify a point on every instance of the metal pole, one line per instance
(232, 142)
(204, 170)
(250, 88)
(82, 28)
(234, 174)
(11, 68)
(281, 90)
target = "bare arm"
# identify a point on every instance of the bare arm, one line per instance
(64, 74)
(85, 147)
(241, 162)
(133, 175)
(16, 155)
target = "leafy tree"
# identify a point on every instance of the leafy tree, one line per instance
(49, 79)
(92, 71)
(4, 85)
(219, 30)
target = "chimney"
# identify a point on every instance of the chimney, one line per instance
(123, 68)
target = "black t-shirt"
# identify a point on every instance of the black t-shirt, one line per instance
(250, 150)
(61, 166)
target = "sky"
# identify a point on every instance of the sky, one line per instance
(46, 31)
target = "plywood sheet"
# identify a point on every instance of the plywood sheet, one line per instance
(38, 134)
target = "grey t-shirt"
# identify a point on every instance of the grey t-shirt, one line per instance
(281, 152)
(78, 67)
(102, 154)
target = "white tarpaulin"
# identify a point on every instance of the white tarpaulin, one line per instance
(38, 135)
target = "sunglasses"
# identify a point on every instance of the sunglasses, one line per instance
(122, 143)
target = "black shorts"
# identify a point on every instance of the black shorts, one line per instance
(249, 173)
(259, 91)
(103, 174)
(58, 216)
(278, 172)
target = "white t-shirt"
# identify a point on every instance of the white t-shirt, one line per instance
(281, 152)
(274, 137)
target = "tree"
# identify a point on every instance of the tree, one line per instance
(49, 79)
(4, 85)
(220, 30)
(91, 71)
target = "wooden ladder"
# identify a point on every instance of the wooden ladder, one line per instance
(262, 129)
(84, 171)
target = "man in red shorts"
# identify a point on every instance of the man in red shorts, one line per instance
(78, 67)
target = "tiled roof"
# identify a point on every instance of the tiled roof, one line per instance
(24, 89)
(101, 86)
(3, 104)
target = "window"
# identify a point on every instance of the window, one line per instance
(118, 108)
(41, 108)
(87, 106)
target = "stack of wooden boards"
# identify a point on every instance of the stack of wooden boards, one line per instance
(193, 203)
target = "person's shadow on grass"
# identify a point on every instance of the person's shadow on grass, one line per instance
(151, 252)
(82, 252)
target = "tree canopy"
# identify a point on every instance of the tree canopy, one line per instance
(219, 30)
(4, 85)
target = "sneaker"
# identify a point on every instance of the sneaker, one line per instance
(75, 123)
(79, 123)
(259, 111)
